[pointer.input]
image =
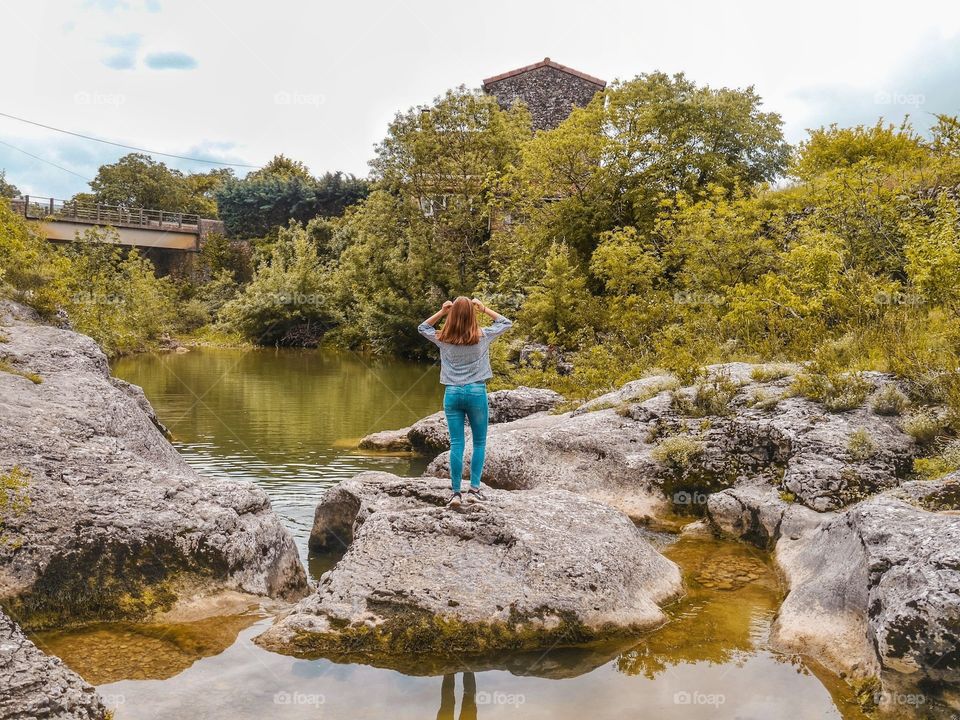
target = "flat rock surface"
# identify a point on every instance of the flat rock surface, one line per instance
(117, 524)
(520, 571)
(36, 686)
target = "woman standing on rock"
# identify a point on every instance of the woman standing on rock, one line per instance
(464, 370)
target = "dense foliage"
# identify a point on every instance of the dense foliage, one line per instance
(7, 189)
(138, 181)
(281, 191)
(107, 292)
(666, 225)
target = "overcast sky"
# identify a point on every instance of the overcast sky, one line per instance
(319, 81)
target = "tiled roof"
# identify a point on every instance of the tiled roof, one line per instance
(546, 62)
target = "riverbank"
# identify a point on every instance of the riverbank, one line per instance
(715, 640)
(102, 519)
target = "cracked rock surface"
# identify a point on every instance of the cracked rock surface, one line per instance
(519, 571)
(36, 686)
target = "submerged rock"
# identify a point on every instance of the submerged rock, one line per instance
(520, 571)
(429, 435)
(117, 525)
(37, 686)
(387, 441)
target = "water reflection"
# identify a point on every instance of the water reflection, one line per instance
(448, 700)
(286, 419)
(710, 660)
(110, 652)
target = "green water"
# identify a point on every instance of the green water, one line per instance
(288, 421)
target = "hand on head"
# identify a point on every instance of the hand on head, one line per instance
(447, 305)
(478, 305)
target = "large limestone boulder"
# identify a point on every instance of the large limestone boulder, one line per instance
(521, 571)
(36, 686)
(877, 588)
(758, 514)
(117, 524)
(429, 436)
(874, 590)
(647, 445)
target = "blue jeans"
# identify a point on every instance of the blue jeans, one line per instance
(470, 402)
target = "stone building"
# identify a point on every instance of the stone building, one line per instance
(550, 90)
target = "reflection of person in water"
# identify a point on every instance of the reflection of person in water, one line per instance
(468, 708)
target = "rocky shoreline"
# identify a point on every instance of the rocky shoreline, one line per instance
(113, 524)
(104, 520)
(869, 557)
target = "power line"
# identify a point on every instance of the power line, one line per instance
(128, 147)
(37, 157)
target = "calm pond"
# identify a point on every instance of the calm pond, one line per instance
(289, 421)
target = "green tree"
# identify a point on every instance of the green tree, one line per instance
(7, 189)
(280, 166)
(281, 192)
(288, 302)
(444, 160)
(833, 147)
(945, 136)
(558, 306)
(30, 269)
(113, 294)
(639, 145)
(138, 181)
(391, 275)
(933, 253)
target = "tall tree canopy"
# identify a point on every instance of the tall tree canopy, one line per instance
(138, 181)
(283, 191)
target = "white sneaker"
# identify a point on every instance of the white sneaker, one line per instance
(474, 495)
(455, 500)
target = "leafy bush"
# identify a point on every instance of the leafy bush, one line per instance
(944, 462)
(114, 296)
(861, 446)
(677, 451)
(763, 400)
(770, 373)
(6, 367)
(889, 400)
(710, 397)
(109, 293)
(30, 267)
(288, 302)
(14, 495)
(837, 392)
(265, 201)
(923, 425)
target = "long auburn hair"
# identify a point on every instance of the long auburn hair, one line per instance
(461, 326)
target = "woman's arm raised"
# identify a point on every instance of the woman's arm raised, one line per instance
(435, 318)
(426, 327)
(500, 323)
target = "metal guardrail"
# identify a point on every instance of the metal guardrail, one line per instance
(44, 208)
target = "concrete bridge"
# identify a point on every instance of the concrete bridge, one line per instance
(61, 220)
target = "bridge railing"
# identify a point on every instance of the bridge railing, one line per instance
(45, 208)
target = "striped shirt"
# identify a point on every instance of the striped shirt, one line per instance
(465, 364)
